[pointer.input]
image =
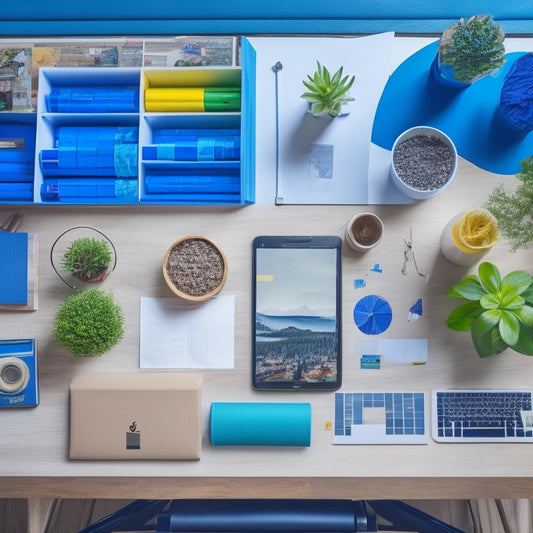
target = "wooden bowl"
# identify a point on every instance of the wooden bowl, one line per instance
(195, 268)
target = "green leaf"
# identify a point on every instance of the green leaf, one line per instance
(528, 295)
(462, 317)
(524, 315)
(512, 301)
(509, 328)
(487, 342)
(336, 77)
(525, 341)
(489, 276)
(487, 320)
(520, 280)
(469, 288)
(489, 301)
(317, 108)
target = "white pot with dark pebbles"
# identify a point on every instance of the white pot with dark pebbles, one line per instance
(424, 162)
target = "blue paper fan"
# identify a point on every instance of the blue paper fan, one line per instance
(372, 314)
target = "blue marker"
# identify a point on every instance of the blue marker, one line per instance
(195, 148)
(188, 199)
(93, 100)
(11, 172)
(16, 191)
(13, 156)
(192, 184)
(92, 189)
(167, 135)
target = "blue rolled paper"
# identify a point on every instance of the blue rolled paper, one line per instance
(260, 424)
(93, 100)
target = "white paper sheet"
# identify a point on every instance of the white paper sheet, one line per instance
(342, 173)
(175, 334)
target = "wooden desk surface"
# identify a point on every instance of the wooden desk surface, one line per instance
(34, 442)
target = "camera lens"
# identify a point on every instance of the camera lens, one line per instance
(11, 374)
(14, 375)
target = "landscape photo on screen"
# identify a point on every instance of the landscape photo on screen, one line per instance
(296, 324)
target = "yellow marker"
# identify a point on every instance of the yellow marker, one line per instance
(192, 99)
(174, 99)
(328, 426)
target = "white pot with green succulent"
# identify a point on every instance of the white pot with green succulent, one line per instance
(469, 50)
(327, 94)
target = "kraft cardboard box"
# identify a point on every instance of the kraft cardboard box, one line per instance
(136, 416)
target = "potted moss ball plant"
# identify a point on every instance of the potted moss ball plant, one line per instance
(327, 93)
(498, 312)
(513, 209)
(87, 259)
(195, 268)
(469, 50)
(89, 323)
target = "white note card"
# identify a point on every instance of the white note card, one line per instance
(176, 334)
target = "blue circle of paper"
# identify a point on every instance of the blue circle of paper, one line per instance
(467, 116)
(372, 314)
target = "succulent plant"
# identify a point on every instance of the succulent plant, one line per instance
(513, 210)
(499, 312)
(326, 93)
(473, 47)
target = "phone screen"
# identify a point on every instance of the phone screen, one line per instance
(297, 313)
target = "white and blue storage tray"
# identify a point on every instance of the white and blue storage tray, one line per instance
(92, 141)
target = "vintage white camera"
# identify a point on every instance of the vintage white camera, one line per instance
(19, 376)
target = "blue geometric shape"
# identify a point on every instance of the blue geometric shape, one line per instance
(416, 308)
(468, 116)
(372, 314)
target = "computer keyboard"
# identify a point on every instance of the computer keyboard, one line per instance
(469, 415)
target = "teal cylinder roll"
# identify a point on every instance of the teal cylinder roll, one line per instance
(260, 424)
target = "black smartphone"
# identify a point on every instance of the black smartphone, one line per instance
(296, 309)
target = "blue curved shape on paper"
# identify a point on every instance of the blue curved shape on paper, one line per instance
(412, 97)
(372, 314)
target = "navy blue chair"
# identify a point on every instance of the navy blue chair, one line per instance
(267, 516)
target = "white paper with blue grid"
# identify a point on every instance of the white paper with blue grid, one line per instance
(380, 418)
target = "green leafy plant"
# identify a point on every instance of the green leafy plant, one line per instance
(499, 312)
(514, 210)
(327, 94)
(87, 258)
(473, 47)
(89, 323)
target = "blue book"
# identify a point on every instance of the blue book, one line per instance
(13, 268)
